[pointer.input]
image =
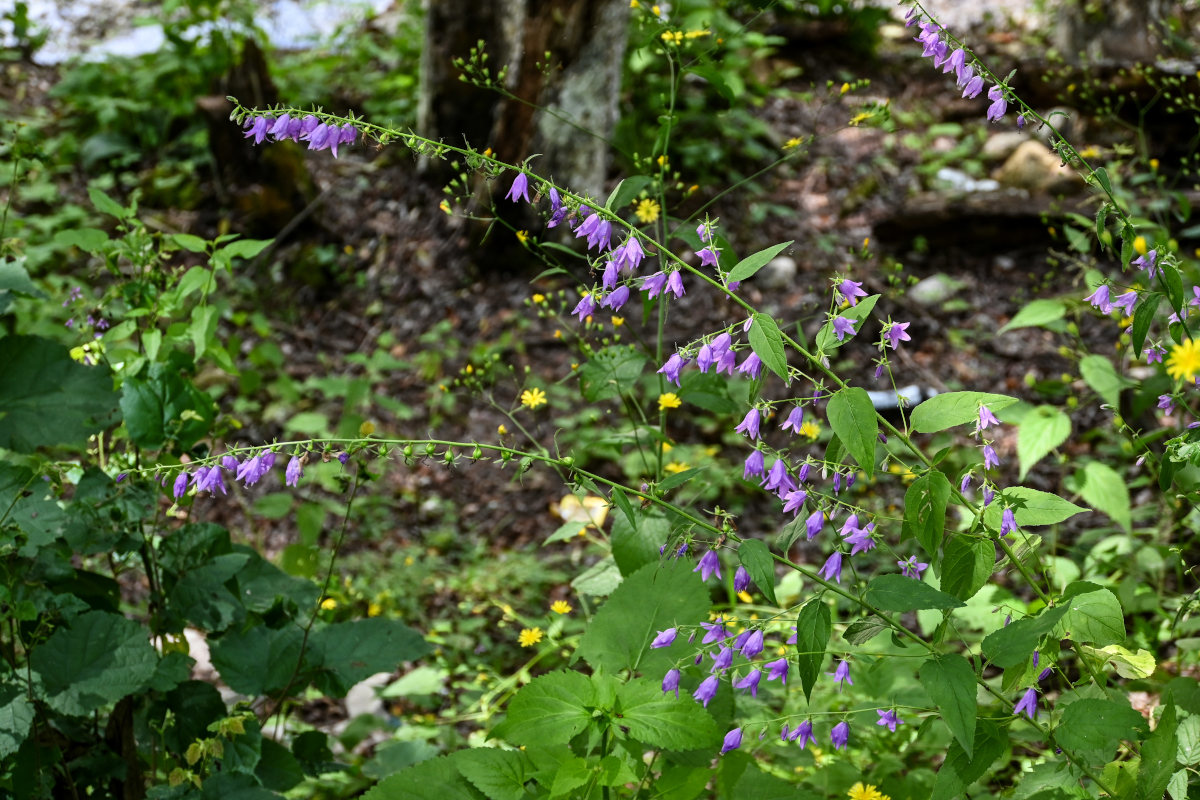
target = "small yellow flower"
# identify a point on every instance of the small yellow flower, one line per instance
(560, 607)
(409, 561)
(860, 792)
(668, 400)
(1091, 151)
(676, 467)
(672, 37)
(1184, 361)
(698, 34)
(529, 637)
(328, 604)
(532, 398)
(1154, 163)
(488, 152)
(634, 4)
(522, 236)
(501, 429)
(539, 298)
(366, 429)
(647, 210)
(845, 88)
(374, 609)
(617, 321)
(662, 161)
(745, 597)
(1139, 245)
(810, 429)
(445, 207)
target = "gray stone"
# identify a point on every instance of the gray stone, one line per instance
(935, 290)
(779, 273)
(1000, 146)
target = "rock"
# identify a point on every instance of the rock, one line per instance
(363, 697)
(1035, 169)
(779, 273)
(962, 183)
(935, 290)
(1000, 146)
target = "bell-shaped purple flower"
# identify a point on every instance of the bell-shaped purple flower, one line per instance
(842, 674)
(795, 419)
(888, 719)
(750, 424)
(294, 470)
(733, 740)
(1027, 705)
(722, 659)
(750, 682)
(671, 682)
(664, 638)
(672, 368)
(709, 565)
(179, 488)
(519, 189)
(814, 524)
(777, 670)
(741, 579)
(707, 690)
(754, 465)
(804, 734)
(840, 735)
(753, 645)
(675, 284)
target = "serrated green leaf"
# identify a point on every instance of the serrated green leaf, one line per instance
(656, 597)
(955, 408)
(767, 342)
(16, 719)
(1097, 725)
(1080, 242)
(499, 774)
(435, 779)
(1158, 755)
(98, 659)
(925, 510)
(14, 278)
(661, 720)
(1095, 617)
(1174, 283)
(634, 546)
(551, 709)
(960, 770)
(46, 398)
(814, 626)
(1105, 490)
(106, 205)
(900, 593)
(610, 372)
(345, 653)
(598, 580)
(852, 417)
(756, 558)
(967, 563)
(1036, 313)
(864, 630)
(1128, 665)
(89, 240)
(751, 264)
(1012, 644)
(1098, 372)
(950, 683)
(1038, 433)
(258, 660)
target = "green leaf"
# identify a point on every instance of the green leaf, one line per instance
(1128, 665)
(1158, 755)
(348, 652)
(1174, 284)
(622, 502)
(165, 407)
(244, 248)
(193, 244)
(864, 630)
(751, 264)
(852, 417)
(1032, 507)
(16, 718)
(46, 398)
(1095, 617)
(435, 779)
(499, 774)
(961, 770)
(1080, 242)
(950, 683)
(955, 408)
(106, 205)
(656, 597)
(1097, 725)
(277, 768)
(598, 580)
(813, 629)
(925, 510)
(1098, 372)
(89, 240)
(967, 563)
(259, 660)
(1105, 490)
(661, 720)
(634, 546)
(202, 598)
(1038, 433)
(1037, 313)
(827, 338)
(14, 278)
(1101, 176)
(756, 558)
(1013, 643)
(767, 342)
(625, 191)
(611, 372)
(898, 593)
(97, 660)
(551, 709)
(1143, 316)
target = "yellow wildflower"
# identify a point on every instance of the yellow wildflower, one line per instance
(529, 637)
(532, 398)
(560, 607)
(617, 321)
(662, 161)
(501, 429)
(676, 467)
(1184, 361)
(810, 429)
(445, 207)
(374, 609)
(793, 143)
(1153, 163)
(860, 792)
(745, 597)
(668, 400)
(845, 88)
(672, 37)
(1139, 245)
(539, 298)
(522, 236)
(634, 4)
(647, 211)
(698, 34)
(328, 604)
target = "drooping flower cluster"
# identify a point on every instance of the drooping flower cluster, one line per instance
(309, 128)
(211, 477)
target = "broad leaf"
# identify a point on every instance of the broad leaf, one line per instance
(16, 718)
(754, 262)
(1158, 755)
(899, 593)
(827, 337)
(756, 558)
(1105, 490)
(634, 546)
(961, 770)
(1013, 643)
(1037, 313)
(258, 660)
(1097, 726)
(611, 372)
(925, 510)
(500, 774)
(1041, 430)
(46, 398)
(813, 629)
(1100, 374)
(165, 407)
(767, 342)
(864, 630)
(852, 417)
(551, 709)
(967, 563)
(662, 720)
(1031, 507)
(654, 598)
(1095, 617)
(435, 779)
(955, 408)
(348, 652)
(97, 660)
(950, 683)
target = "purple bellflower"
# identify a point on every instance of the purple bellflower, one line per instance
(999, 105)
(1100, 299)
(707, 690)
(911, 568)
(664, 638)
(750, 424)
(750, 682)
(709, 565)
(753, 645)
(672, 368)
(777, 670)
(519, 189)
(733, 740)
(722, 659)
(851, 290)
(832, 571)
(1008, 523)
(842, 674)
(741, 580)
(671, 682)
(179, 488)
(617, 298)
(715, 631)
(813, 525)
(754, 465)
(653, 284)
(804, 734)
(896, 333)
(843, 327)
(888, 719)
(1027, 705)
(795, 419)
(840, 735)
(752, 366)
